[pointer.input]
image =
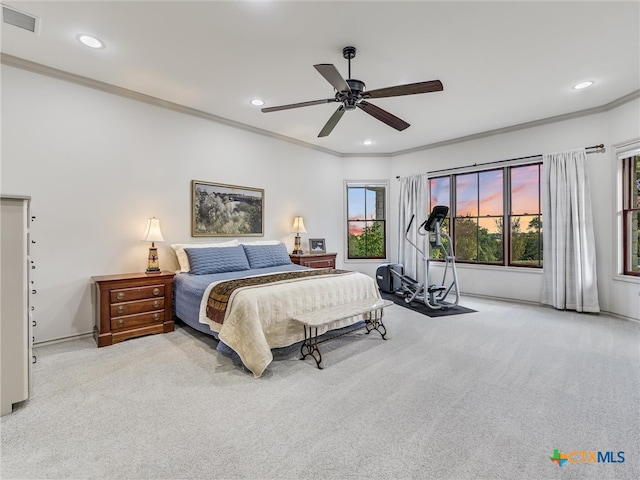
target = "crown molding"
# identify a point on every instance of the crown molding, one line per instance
(521, 126)
(34, 67)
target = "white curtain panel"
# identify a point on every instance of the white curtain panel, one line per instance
(569, 250)
(413, 201)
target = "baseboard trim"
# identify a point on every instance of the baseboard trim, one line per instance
(539, 304)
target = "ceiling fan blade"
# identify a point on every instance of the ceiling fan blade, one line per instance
(331, 75)
(383, 116)
(409, 89)
(296, 105)
(333, 121)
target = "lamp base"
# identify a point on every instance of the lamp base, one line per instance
(297, 249)
(153, 266)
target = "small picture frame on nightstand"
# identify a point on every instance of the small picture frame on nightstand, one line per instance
(317, 245)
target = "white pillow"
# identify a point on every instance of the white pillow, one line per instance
(262, 242)
(183, 259)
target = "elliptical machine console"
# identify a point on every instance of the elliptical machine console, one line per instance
(391, 278)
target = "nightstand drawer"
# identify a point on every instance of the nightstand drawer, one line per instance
(136, 320)
(319, 263)
(315, 260)
(138, 306)
(137, 293)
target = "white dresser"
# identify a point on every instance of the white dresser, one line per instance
(15, 305)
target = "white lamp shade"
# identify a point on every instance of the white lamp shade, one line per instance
(153, 233)
(298, 225)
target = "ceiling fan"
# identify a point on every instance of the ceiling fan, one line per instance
(351, 93)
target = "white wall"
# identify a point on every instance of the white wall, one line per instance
(618, 125)
(98, 165)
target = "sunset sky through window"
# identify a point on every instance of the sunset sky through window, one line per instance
(361, 203)
(479, 194)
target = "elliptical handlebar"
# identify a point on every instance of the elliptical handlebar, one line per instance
(410, 223)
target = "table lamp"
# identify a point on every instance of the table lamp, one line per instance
(298, 227)
(153, 235)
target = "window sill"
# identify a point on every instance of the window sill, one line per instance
(499, 268)
(626, 279)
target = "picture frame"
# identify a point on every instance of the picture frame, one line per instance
(221, 210)
(317, 245)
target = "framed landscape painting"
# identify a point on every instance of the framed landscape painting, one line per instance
(219, 210)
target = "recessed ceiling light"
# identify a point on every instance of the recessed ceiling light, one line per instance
(257, 102)
(582, 85)
(90, 41)
(367, 142)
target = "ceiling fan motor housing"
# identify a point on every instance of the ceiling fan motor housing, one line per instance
(349, 100)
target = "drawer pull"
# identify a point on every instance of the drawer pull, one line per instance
(156, 316)
(156, 303)
(156, 291)
(120, 309)
(120, 323)
(120, 296)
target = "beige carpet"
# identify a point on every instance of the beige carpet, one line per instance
(484, 395)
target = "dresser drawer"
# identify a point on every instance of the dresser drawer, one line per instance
(138, 306)
(136, 293)
(135, 320)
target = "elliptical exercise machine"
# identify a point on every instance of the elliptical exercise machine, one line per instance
(391, 278)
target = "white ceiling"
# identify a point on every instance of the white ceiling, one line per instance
(501, 63)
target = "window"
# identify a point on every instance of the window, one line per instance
(366, 220)
(526, 216)
(482, 203)
(631, 214)
(479, 217)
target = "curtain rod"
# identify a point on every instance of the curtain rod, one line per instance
(594, 147)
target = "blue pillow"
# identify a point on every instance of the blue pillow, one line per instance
(208, 260)
(262, 256)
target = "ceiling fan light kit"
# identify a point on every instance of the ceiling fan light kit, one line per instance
(351, 94)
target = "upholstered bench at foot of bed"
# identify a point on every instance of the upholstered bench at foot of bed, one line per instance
(372, 310)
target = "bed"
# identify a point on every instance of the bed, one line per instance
(246, 295)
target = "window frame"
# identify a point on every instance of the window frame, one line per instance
(626, 188)
(509, 215)
(506, 216)
(384, 184)
(454, 217)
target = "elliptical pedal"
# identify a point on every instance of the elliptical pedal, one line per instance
(436, 288)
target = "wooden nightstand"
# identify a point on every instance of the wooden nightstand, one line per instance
(315, 260)
(132, 305)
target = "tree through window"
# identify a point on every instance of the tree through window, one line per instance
(366, 221)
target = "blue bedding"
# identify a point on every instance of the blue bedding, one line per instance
(188, 290)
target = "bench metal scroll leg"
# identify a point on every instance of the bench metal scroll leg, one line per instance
(310, 345)
(374, 322)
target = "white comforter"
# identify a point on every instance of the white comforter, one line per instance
(260, 318)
